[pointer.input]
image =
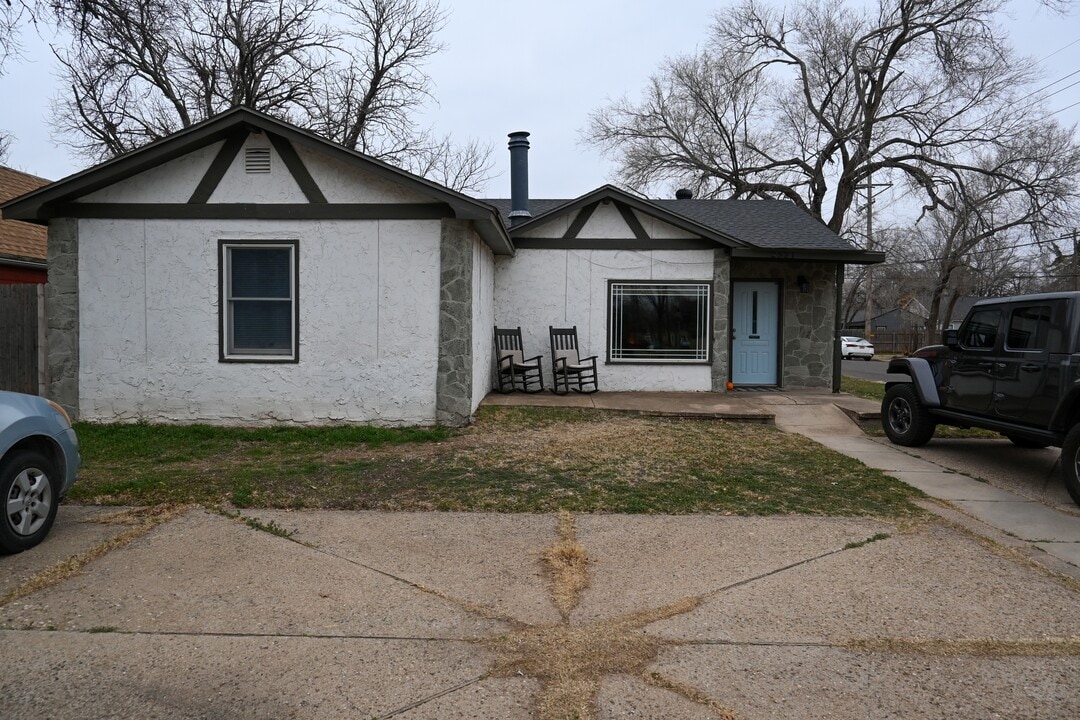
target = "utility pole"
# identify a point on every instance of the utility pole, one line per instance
(868, 311)
(1076, 260)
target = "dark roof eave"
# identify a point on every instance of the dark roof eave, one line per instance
(850, 257)
(488, 225)
(20, 261)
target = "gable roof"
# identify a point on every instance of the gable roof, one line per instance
(750, 228)
(38, 206)
(22, 242)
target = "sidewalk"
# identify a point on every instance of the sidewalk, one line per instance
(831, 419)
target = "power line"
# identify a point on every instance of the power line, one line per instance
(1049, 85)
(1060, 90)
(985, 251)
(1066, 47)
(1066, 108)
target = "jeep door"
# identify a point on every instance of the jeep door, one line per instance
(970, 370)
(1028, 383)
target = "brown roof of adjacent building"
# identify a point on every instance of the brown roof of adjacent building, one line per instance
(21, 240)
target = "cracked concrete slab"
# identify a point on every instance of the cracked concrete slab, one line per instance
(204, 573)
(74, 531)
(952, 486)
(110, 675)
(478, 557)
(932, 583)
(647, 561)
(1026, 519)
(624, 696)
(764, 682)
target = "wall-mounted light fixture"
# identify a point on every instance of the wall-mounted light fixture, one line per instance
(804, 284)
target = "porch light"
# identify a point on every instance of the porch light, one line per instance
(804, 284)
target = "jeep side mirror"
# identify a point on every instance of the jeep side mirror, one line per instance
(950, 338)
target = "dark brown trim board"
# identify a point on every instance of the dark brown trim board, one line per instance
(257, 211)
(579, 222)
(631, 220)
(297, 168)
(212, 178)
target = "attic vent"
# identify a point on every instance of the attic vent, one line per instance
(257, 160)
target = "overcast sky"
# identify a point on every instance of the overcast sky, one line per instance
(541, 67)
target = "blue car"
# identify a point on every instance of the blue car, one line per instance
(39, 458)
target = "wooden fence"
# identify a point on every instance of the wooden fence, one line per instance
(897, 342)
(19, 338)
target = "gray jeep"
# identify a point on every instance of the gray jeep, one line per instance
(1012, 367)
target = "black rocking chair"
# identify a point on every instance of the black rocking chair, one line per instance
(569, 370)
(515, 371)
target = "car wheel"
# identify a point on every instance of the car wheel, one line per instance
(1025, 443)
(29, 495)
(904, 418)
(868, 358)
(1070, 462)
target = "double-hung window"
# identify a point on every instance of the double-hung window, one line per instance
(659, 322)
(259, 306)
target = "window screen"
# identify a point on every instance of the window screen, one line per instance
(260, 300)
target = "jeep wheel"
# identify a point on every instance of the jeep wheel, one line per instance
(904, 418)
(1070, 462)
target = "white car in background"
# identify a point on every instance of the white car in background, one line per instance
(856, 347)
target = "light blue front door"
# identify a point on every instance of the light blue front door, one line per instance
(754, 332)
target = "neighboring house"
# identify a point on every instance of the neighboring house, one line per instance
(22, 297)
(908, 315)
(244, 270)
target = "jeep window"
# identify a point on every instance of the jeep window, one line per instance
(980, 331)
(1028, 327)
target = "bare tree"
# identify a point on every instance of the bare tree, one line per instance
(352, 71)
(810, 103)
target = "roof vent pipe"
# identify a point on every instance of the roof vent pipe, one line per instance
(519, 177)
(684, 194)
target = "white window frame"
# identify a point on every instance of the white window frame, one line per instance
(699, 289)
(227, 350)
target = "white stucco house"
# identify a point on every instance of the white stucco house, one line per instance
(244, 271)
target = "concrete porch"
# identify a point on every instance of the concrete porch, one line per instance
(758, 406)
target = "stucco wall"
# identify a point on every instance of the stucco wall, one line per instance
(807, 319)
(148, 323)
(483, 320)
(539, 288)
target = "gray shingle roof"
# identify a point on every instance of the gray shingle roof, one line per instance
(769, 224)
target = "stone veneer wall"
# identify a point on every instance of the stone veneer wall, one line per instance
(453, 386)
(808, 320)
(721, 314)
(62, 311)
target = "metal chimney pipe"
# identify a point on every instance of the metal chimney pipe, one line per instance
(519, 177)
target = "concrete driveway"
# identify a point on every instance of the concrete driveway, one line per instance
(443, 615)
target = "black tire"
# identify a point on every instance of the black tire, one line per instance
(868, 359)
(28, 491)
(1025, 443)
(904, 418)
(1070, 460)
